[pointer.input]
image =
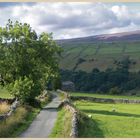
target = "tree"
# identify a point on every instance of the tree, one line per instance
(23, 53)
(115, 91)
(56, 83)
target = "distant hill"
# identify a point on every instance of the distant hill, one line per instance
(101, 51)
(124, 36)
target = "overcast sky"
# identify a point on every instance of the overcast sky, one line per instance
(70, 20)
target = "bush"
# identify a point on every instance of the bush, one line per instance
(25, 90)
(56, 83)
(114, 91)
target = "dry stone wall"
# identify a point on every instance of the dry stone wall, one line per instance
(74, 121)
(12, 109)
(105, 100)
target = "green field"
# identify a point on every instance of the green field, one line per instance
(99, 55)
(105, 96)
(123, 122)
(4, 93)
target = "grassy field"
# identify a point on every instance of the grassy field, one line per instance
(105, 96)
(4, 93)
(99, 55)
(62, 128)
(123, 122)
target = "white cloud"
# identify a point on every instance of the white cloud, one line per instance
(67, 20)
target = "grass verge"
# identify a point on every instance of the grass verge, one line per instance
(18, 121)
(46, 100)
(62, 128)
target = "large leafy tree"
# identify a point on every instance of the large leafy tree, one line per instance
(26, 56)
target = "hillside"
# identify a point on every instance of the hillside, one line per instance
(123, 36)
(101, 51)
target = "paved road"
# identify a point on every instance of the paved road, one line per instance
(42, 125)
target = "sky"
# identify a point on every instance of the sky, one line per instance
(74, 19)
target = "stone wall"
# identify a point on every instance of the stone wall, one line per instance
(105, 100)
(12, 109)
(74, 121)
(66, 103)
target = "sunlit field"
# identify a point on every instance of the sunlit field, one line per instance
(109, 120)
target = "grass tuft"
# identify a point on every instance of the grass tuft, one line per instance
(4, 107)
(18, 121)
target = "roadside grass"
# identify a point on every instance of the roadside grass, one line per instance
(62, 128)
(109, 120)
(18, 122)
(4, 93)
(104, 96)
(62, 96)
(4, 107)
(46, 99)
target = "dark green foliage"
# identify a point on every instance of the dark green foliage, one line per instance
(27, 60)
(114, 91)
(112, 81)
(56, 83)
(125, 62)
(24, 89)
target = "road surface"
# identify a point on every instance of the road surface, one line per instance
(42, 125)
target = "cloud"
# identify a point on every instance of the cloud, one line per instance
(77, 19)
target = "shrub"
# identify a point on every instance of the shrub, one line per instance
(114, 91)
(25, 90)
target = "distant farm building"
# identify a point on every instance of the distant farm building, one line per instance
(68, 86)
